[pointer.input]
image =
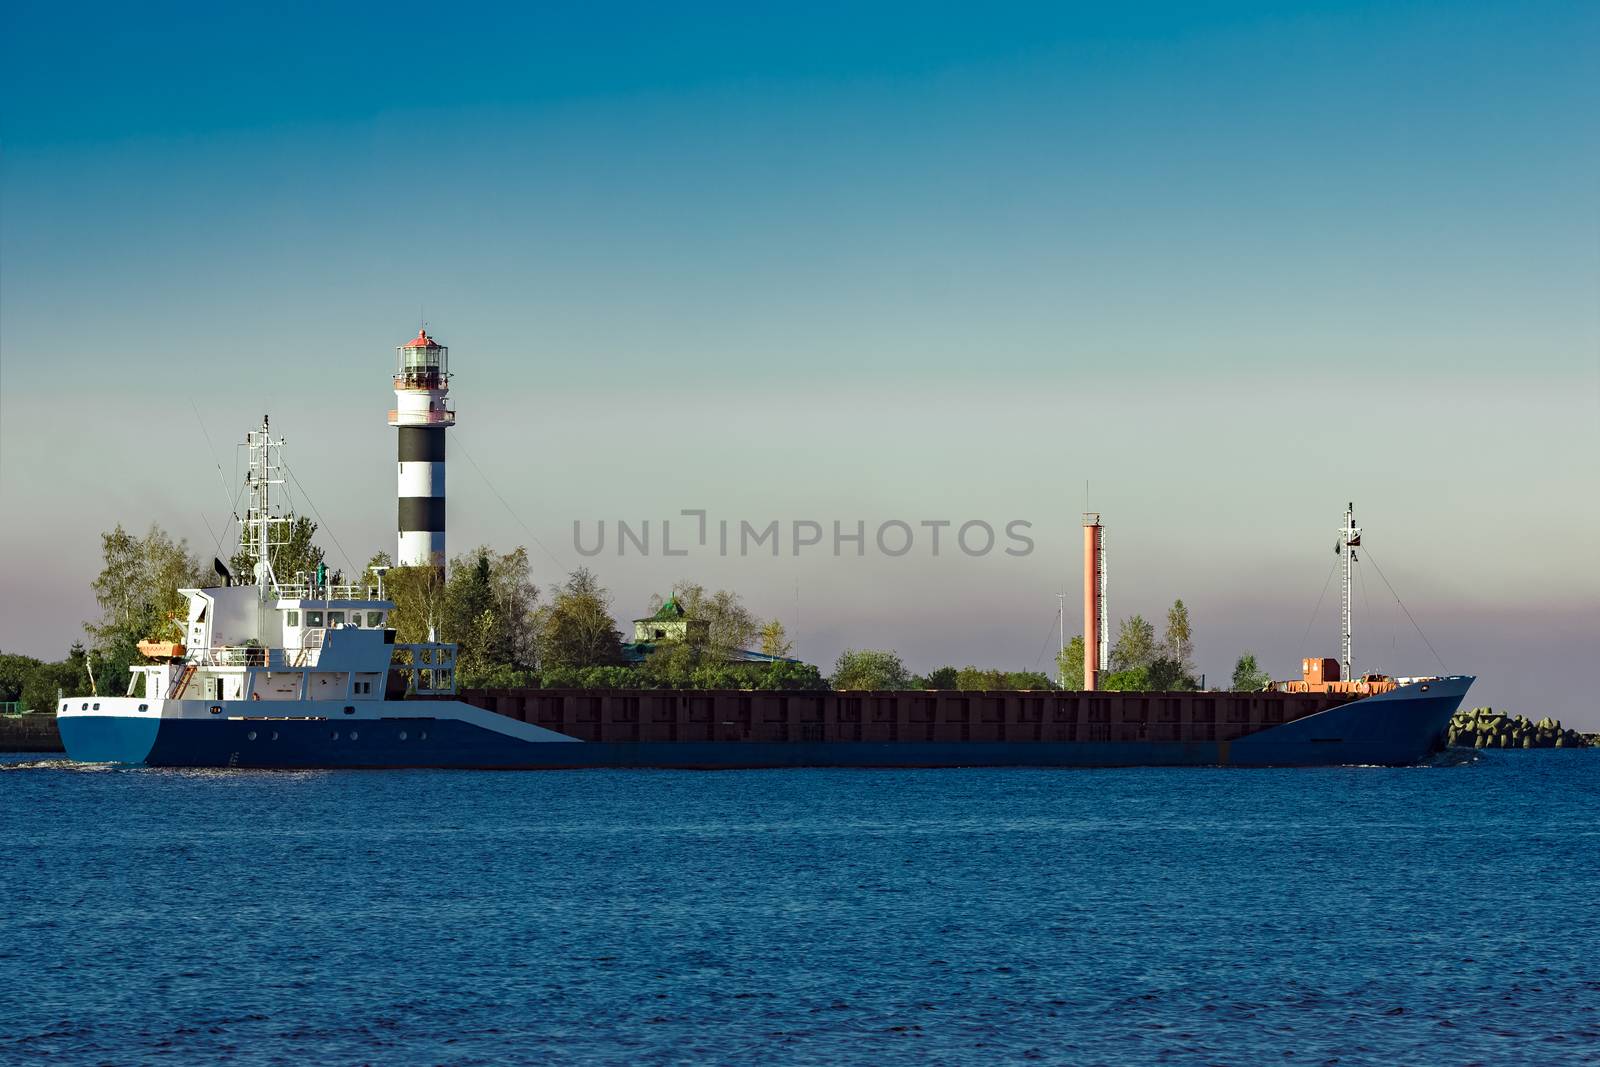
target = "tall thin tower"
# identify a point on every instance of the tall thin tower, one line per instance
(422, 414)
(1096, 641)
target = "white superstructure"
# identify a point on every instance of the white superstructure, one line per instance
(299, 639)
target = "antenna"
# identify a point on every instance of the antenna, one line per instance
(1061, 649)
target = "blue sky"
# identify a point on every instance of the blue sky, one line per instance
(1234, 264)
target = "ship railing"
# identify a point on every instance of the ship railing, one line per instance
(311, 591)
(233, 656)
(428, 667)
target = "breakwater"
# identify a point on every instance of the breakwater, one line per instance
(1487, 728)
(34, 732)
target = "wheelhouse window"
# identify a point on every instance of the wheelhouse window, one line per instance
(374, 619)
(292, 618)
(313, 618)
(335, 618)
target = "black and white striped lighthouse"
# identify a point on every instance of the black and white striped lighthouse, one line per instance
(422, 414)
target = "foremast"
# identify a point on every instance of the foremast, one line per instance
(1349, 540)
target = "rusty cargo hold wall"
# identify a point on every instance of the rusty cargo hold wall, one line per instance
(667, 715)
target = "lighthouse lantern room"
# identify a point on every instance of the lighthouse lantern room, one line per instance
(422, 413)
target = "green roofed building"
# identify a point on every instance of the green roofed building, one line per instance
(670, 623)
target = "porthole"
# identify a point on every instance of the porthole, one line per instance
(216, 709)
(349, 710)
(334, 736)
(274, 735)
(402, 735)
(85, 706)
(251, 736)
(144, 707)
(423, 736)
(97, 705)
(354, 736)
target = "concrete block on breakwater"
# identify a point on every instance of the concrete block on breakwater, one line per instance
(35, 732)
(1487, 728)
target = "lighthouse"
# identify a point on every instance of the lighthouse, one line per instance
(422, 414)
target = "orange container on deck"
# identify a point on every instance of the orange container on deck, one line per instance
(1319, 670)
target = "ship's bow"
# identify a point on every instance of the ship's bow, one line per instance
(1398, 728)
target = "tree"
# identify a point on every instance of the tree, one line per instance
(1248, 677)
(297, 558)
(1034, 680)
(576, 629)
(137, 587)
(775, 640)
(489, 610)
(69, 677)
(137, 590)
(868, 669)
(672, 665)
(1132, 680)
(15, 671)
(1178, 641)
(683, 666)
(1166, 675)
(1136, 645)
(418, 595)
(788, 675)
(1069, 665)
(973, 680)
(941, 678)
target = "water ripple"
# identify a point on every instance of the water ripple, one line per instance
(1343, 915)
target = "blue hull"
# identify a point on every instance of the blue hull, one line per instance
(1395, 729)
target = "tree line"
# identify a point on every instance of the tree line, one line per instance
(510, 633)
(1140, 663)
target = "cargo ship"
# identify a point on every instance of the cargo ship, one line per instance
(300, 672)
(306, 674)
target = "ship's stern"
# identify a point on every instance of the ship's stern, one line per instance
(108, 729)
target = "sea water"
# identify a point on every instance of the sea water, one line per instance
(1443, 914)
